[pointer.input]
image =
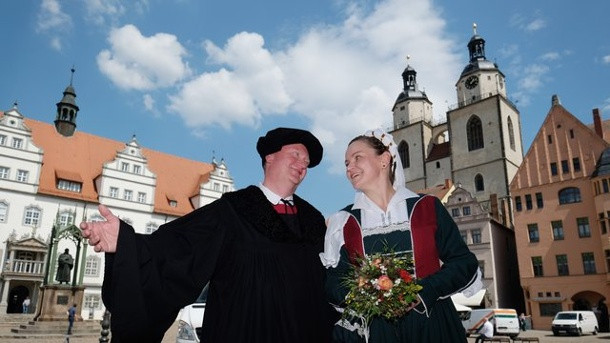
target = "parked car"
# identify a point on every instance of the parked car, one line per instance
(575, 323)
(504, 320)
(190, 319)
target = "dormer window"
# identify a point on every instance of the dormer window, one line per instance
(137, 169)
(173, 203)
(2, 140)
(124, 166)
(68, 185)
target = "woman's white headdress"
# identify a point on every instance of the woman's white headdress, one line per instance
(388, 141)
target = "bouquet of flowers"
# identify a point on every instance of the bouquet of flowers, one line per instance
(381, 285)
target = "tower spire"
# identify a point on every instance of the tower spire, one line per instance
(65, 119)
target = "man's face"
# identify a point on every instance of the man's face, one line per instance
(290, 163)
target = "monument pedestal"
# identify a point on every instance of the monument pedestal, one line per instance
(55, 301)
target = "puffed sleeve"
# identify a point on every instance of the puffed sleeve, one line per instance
(460, 265)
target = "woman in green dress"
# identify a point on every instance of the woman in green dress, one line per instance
(385, 214)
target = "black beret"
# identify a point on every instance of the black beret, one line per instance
(275, 139)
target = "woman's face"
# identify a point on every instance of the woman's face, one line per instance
(364, 168)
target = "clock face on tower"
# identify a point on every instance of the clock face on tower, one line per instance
(471, 82)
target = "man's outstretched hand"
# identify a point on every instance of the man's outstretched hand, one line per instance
(102, 236)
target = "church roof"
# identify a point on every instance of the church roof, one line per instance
(439, 151)
(82, 156)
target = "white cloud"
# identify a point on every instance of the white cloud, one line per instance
(535, 25)
(343, 78)
(252, 85)
(149, 104)
(101, 11)
(525, 24)
(142, 63)
(606, 59)
(51, 20)
(550, 56)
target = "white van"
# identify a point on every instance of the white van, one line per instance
(575, 322)
(504, 320)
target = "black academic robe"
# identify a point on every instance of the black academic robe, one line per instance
(266, 281)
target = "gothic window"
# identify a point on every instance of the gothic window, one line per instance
(403, 152)
(479, 185)
(474, 132)
(569, 195)
(511, 134)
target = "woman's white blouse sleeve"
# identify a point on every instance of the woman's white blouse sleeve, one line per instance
(333, 240)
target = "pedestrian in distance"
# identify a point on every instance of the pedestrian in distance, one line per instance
(71, 316)
(26, 304)
(257, 247)
(486, 331)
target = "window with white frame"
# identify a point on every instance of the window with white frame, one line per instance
(3, 211)
(141, 197)
(96, 218)
(4, 172)
(137, 169)
(114, 192)
(32, 216)
(124, 166)
(92, 266)
(92, 301)
(22, 175)
(127, 194)
(2, 140)
(66, 218)
(216, 186)
(17, 143)
(151, 227)
(69, 185)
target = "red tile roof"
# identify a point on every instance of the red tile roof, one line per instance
(81, 158)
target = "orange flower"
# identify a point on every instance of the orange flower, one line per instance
(385, 283)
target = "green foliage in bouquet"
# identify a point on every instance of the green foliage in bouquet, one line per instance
(380, 285)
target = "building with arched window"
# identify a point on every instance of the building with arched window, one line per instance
(561, 217)
(478, 140)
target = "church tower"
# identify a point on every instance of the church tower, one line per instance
(417, 136)
(484, 128)
(65, 119)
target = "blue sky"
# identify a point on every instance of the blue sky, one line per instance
(198, 78)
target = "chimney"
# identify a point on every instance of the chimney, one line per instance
(493, 206)
(597, 122)
(448, 183)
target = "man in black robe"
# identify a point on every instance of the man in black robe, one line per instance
(257, 247)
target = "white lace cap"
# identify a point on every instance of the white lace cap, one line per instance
(388, 141)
